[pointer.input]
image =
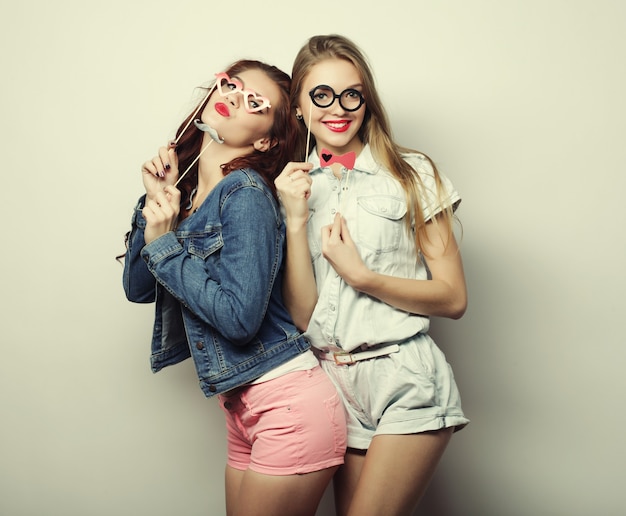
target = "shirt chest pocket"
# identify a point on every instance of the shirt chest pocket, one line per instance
(380, 222)
(204, 244)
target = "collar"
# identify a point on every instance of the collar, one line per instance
(365, 162)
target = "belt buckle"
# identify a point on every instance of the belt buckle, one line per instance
(343, 358)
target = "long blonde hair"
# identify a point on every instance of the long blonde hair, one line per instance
(375, 129)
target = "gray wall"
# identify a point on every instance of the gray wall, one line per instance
(521, 103)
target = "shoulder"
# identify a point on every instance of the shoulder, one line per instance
(246, 185)
(436, 188)
(244, 179)
(421, 163)
(429, 175)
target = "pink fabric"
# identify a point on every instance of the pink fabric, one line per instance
(293, 424)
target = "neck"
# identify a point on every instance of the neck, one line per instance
(211, 161)
(209, 175)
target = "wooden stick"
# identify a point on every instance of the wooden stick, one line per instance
(193, 162)
(308, 132)
(193, 117)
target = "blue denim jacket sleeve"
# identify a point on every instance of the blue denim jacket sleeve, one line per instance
(249, 246)
(139, 283)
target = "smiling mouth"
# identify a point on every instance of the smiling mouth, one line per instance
(338, 126)
(222, 109)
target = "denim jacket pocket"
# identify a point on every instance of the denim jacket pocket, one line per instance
(205, 243)
(379, 222)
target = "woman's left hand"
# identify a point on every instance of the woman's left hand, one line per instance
(341, 251)
(161, 213)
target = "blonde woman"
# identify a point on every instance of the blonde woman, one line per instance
(371, 255)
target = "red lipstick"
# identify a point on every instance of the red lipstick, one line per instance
(222, 109)
(338, 126)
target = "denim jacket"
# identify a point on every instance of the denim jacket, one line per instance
(217, 285)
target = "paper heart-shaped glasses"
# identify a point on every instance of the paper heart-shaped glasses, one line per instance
(252, 102)
(226, 86)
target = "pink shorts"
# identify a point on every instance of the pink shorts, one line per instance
(291, 425)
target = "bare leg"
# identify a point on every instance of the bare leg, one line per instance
(346, 480)
(254, 494)
(392, 477)
(233, 479)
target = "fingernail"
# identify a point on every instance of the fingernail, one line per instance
(161, 174)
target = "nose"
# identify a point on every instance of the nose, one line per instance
(234, 98)
(336, 108)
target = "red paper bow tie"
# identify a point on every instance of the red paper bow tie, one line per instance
(347, 159)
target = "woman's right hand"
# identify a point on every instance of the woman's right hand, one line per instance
(294, 189)
(160, 171)
(161, 213)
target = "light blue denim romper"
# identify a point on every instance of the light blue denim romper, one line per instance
(413, 389)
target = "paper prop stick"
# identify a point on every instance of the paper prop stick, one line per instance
(193, 162)
(347, 160)
(308, 132)
(193, 117)
(202, 127)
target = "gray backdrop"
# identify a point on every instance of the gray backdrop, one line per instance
(520, 103)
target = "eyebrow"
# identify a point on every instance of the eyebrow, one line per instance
(350, 87)
(244, 85)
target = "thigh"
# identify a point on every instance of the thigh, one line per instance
(274, 495)
(392, 477)
(232, 484)
(346, 479)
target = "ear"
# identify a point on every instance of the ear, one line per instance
(265, 144)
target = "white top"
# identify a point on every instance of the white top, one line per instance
(303, 362)
(374, 205)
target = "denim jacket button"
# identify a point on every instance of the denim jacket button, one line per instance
(199, 345)
(212, 388)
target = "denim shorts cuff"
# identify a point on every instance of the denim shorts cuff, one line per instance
(422, 424)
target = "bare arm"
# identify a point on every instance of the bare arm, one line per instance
(299, 289)
(445, 295)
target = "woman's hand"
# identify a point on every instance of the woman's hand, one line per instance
(160, 171)
(161, 213)
(443, 295)
(294, 189)
(341, 252)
